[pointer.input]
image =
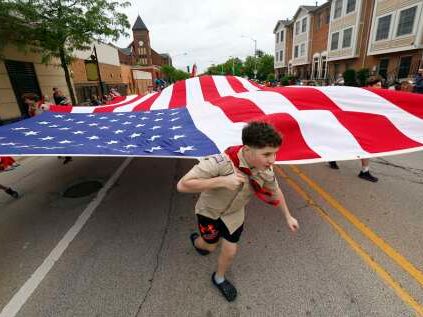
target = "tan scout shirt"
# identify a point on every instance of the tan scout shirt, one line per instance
(222, 202)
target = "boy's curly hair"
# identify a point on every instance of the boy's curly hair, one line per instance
(259, 134)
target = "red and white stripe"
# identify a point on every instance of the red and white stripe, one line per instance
(318, 123)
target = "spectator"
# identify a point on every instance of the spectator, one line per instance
(419, 82)
(94, 101)
(33, 104)
(59, 97)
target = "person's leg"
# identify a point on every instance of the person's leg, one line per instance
(365, 172)
(3, 187)
(226, 257)
(10, 191)
(200, 243)
(209, 236)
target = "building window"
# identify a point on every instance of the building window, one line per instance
(383, 25)
(334, 41)
(346, 39)
(297, 27)
(304, 25)
(328, 17)
(318, 20)
(315, 73)
(277, 37)
(296, 51)
(350, 6)
(383, 67)
(406, 21)
(404, 67)
(324, 67)
(338, 9)
(282, 36)
(302, 49)
(281, 56)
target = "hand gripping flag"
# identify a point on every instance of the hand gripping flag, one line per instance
(205, 115)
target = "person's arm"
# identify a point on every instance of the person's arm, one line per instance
(290, 221)
(197, 185)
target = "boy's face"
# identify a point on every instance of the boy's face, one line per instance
(260, 158)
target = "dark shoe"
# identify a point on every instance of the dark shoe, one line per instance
(368, 177)
(12, 193)
(333, 165)
(67, 160)
(226, 288)
(193, 237)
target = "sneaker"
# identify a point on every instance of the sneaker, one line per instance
(333, 165)
(12, 193)
(368, 177)
(67, 160)
(226, 288)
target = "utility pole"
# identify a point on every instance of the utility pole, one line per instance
(98, 71)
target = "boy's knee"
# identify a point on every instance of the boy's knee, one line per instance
(230, 250)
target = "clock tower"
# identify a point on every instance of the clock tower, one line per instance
(141, 44)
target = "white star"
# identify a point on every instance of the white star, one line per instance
(5, 144)
(70, 119)
(93, 124)
(120, 114)
(47, 138)
(78, 132)
(17, 129)
(175, 137)
(159, 113)
(130, 146)
(91, 115)
(134, 135)
(65, 142)
(155, 127)
(132, 116)
(154, 148)
(79, 122)
(119, 131)
(103, 118)
(183, 149)
(176, 127)
(21, 146)
(59, 116)
(104, 128)
(174, 113)
(114, 120)
(174, 119)
(112, 142)
(64, 129)
(53, 126)
(154, 137)
(94, 137)
(158, 119)
(126, 123)
(144, 118)
(139, 125)
(43, 122)
(30, 133)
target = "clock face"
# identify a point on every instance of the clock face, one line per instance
(141, 43)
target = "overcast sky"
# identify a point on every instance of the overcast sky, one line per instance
(210, 31)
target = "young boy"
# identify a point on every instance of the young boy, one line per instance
(226, 182)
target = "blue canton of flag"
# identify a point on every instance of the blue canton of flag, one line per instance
(169, 132)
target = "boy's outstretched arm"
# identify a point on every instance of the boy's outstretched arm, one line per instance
(290, 221)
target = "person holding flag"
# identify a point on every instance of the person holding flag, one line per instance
(194, 70)
(226, 182)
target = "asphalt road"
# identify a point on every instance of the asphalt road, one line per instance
(358, 251)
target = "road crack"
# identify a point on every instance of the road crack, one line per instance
(162, 242)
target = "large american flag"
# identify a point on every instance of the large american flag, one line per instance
(204, 115)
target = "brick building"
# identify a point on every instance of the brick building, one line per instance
(384, 36)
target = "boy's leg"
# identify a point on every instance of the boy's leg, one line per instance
(226, 257)
(202, 244)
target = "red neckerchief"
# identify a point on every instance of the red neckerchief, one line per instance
(262, 193)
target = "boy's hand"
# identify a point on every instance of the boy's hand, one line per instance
(292, 224)
(233, 181)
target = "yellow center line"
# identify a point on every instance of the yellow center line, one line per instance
(378, 241)
(401, 292)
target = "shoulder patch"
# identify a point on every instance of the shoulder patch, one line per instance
(219, 158)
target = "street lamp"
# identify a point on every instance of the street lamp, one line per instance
(255, 54)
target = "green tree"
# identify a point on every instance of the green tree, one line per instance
(265, 66)
(59, 27)
(350, 77)
(362, 76)
(172, 74)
